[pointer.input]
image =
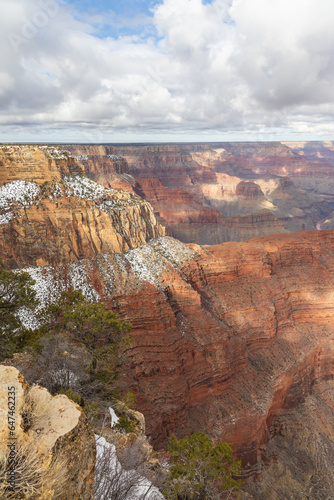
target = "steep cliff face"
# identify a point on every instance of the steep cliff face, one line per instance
(297, 462)
(67, 216)
(235, 340)
(199, 190)
(244, 334)
(36, 163)
(52, 447)
(243, 331)
(103, 165)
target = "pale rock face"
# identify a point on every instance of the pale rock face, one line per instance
(61, 417)
(11, 385)
(48, 429)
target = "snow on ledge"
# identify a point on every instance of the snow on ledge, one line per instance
(112, 480)
(150, 261)
(16, 194)
(114, 418)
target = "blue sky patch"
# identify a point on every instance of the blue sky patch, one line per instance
(117, 18)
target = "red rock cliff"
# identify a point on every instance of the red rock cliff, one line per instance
(242, 331)
(51, 213)
(198, 190)
(235, 340)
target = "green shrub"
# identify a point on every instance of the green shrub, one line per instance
(91, 411)
(201, 469)
(74, 396)
(126, 425)
(15, 292)
(129, 399)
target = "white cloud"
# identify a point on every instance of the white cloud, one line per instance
(229, 66)
(285, 50)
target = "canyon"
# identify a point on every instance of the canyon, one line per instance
(218, 192)
(243, 331)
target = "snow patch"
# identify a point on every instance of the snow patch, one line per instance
(150, 261)
(144, 263)
(27, 318)
(108, 276)
(110, 205)
(49, 284)
(172, 250)
(114, 157)
(82, 187)
(55, 152)
(55, 191)
(114, 418)
(79, 281)
(16, 195)
(106, 199)
(113, 480)
(5, 218)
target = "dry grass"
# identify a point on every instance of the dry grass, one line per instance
(38, 474)
(35, 407)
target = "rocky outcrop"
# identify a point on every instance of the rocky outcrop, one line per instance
(67, 216)
(103, 165)
(211, 193)
(36, 163)
(310, 168)
(67, 230)
(99, 159)
(259, 331)
(297, 462)
(249, 189)
(242, 331)
(52, 447)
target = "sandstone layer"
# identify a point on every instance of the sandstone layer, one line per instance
(103, 165)
(243, 332)
(36, 163)
(218, 192)
(52, 213)
(235, 340)
(52, 445)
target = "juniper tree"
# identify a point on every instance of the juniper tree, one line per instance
(90, 325)
(16, 292)
(201, 469)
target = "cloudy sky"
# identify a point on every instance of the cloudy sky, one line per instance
(167, 70)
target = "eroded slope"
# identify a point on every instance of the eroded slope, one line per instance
(50, 212)
(243, 332)
(213, 193)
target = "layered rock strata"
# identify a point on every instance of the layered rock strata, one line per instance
(298, 461)
(212, 193)
(242, 331)
(36, 163)
(66, 217)
(103, 165)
